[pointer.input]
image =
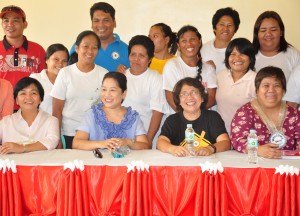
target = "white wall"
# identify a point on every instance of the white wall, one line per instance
(53, 21)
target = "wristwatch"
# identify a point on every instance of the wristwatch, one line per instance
(214, 147)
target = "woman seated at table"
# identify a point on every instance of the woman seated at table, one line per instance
(190, 98)
(277, 124)
(109, 124)
(29, 129)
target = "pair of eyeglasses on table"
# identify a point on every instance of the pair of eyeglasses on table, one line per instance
(97, 153)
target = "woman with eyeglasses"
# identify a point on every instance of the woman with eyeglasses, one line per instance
(210, 132)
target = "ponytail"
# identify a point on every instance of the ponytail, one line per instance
(173, 43)
(199, 65)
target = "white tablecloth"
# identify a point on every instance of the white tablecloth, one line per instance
(152, 157)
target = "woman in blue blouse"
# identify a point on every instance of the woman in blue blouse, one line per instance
(109, 124)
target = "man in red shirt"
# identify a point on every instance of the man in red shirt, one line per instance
(18, 56)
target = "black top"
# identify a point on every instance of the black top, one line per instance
(207, 127)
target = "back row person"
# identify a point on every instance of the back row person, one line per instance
(57, 57)
(165, 45)
(113, 53)
(270, 45)
(189, 64)
(225, 24)
(20, 57)
(77, 86)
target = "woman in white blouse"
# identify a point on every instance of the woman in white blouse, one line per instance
(29, 129)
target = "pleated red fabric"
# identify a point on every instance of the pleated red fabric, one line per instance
(10, 194)
(136, 194)
(105, 185)
(285, 195)
(72, 193)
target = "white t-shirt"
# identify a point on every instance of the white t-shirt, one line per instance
(80, 91)
(44, 129)
(210, 52)
(232, 95)
(287, 61)
(293, 87)
(42, 77)
(144, 94)
(176, 69)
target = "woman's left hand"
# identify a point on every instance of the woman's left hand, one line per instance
(204, 151)
(10, 147)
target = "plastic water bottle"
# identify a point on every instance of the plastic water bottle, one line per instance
(252, 142)
(189, 139)
(121, 151)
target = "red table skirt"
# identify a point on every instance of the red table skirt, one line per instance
(164, 190)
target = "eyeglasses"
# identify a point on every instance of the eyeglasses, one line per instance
(186, 94)
(97, 153)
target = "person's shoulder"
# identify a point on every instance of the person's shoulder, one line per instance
(101, 69)
(4, 83)
(154, 73)
(207, 46)
(209, 113)
(292, 50)
(35, 45)
(118, 40)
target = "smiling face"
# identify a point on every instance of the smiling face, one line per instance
(238, 62)
(139, 59)
(111, 93)
(189, 45)
(103, 25)
(159, 39)
(29, 98)
(190, 99)
(13, 25)
(57, 61)
(225, 29)
(270, 92)
(269, 35)
(87, 49)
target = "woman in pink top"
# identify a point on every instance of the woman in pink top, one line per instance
(277, 124)
(6, 98)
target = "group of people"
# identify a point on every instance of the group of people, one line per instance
(105, 94)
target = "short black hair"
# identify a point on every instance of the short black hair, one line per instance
(103, 6)
(74, 55)
(228, 11)
(25, 82)
(118, 77)
(143, 41)
(190, 82)
(244, 46)
(270, 71)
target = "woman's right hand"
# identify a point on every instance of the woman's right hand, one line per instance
(111, 144)
(269, 150)
(179, 151)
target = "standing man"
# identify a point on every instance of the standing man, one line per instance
(18, 56)
(113, 54)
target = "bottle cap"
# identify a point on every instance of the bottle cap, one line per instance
(252, 131)
(189, 125)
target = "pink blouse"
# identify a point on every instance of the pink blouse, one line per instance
(246, 118)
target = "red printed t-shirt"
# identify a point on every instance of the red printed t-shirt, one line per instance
(16, 63)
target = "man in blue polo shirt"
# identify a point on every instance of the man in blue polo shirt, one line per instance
(113, 54)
